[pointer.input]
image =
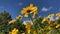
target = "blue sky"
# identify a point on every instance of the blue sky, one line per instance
(45, 7)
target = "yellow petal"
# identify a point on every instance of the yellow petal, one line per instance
(50, 15)
(31, 5)
(19, 17)
(24, 10)
(58, 14)
(34, 9)
(12, 21)
(44, 19)
(58, 26)
(26, 15)
(28, 25)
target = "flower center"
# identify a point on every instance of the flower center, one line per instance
(28, 11)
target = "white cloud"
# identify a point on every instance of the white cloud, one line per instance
(20, 3)
(46, 9)
(26, 21)
(52, 19)
(56, 18)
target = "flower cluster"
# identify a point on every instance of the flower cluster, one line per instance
(36, 24)
(29, 10)
(14, 31)
(39, 25)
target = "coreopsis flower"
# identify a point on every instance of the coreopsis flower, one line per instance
(29, 10)
(14, 31)
(19, 17)
(58, 25)
(58, 14)
(12, 21)
(28, 27)
(44, 19)
(50, 15)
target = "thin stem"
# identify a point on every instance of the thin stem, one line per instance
(30, 18)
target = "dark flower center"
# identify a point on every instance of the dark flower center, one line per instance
(28, 11)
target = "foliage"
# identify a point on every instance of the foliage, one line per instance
(5, 17)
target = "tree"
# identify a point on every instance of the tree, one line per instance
(5, 17)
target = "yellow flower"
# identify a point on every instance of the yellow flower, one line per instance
(28, 27)
(14, 31)
(50, 15)
(29, 10)
(58, 14)
(44, 19)
(57, 26)
(19, 17)
(12, 21)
